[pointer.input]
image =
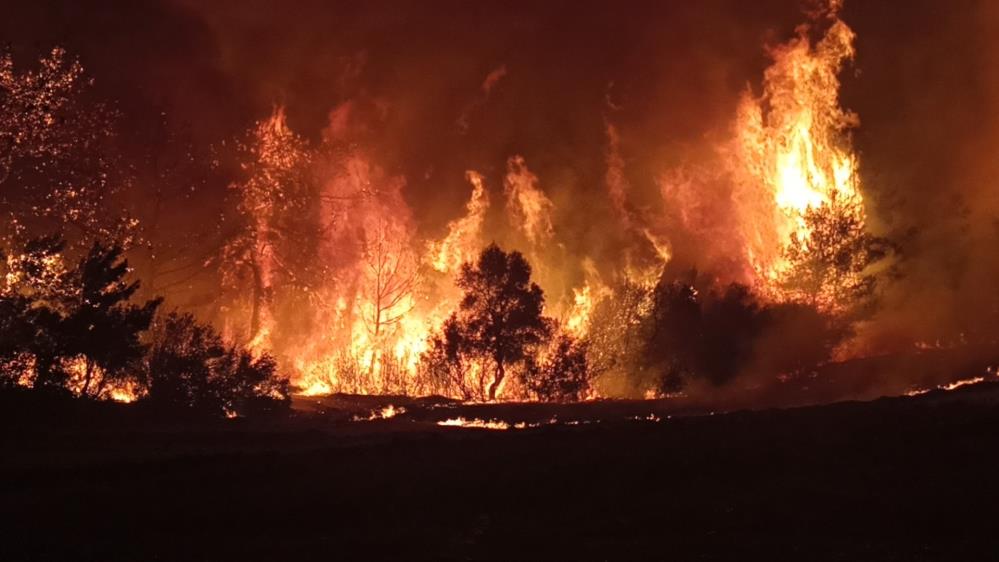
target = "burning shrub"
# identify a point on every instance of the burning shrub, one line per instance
(615, 343)
(831, 268)
(563, 374)
(189, 366)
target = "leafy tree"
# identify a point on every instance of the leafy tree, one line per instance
(57, 166)
(189, 366)
(499, 322)
(832, 268)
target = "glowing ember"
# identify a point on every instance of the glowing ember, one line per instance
(949, 386)
(385, 413)
(478, 424)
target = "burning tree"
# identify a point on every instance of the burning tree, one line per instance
(616, 337)
(273, 205)
(386, 297)
(499, 322)
(798, 183)
(830, 267)
(56, 166)
(391, 276)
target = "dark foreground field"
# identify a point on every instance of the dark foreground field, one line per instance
(894, 479)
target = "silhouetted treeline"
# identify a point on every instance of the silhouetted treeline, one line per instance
(75, 329)
(652, 339)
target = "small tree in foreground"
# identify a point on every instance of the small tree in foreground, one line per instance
(499, 323)
(75, 328)
(101, 325)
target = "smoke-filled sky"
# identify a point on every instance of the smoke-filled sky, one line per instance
(439, 87)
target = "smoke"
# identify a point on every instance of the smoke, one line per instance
(927, 142)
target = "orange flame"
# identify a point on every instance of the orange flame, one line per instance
(792, 151)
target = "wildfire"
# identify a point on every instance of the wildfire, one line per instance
(792, 152)
(947, 387)
(388, 323)
(385, 413)
(585, 300)
(88, 379)
(462, 240)
(528, 207)
(476, 423)
(380, 291)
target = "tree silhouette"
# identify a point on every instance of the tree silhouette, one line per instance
(15, 337)
(673, 332)
(446, 370)
(100, 324)
(499, 321)
(697, 329)
(390, 276)
(34, 289)
(54, 317)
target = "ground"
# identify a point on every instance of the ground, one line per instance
(891, 479)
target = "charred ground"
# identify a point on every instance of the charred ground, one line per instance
(893, 479)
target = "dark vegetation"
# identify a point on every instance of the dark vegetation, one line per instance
(687, 329)
(75, 330)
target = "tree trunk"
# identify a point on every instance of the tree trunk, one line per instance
(87, 378)
(257, 304)
(494, 386)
